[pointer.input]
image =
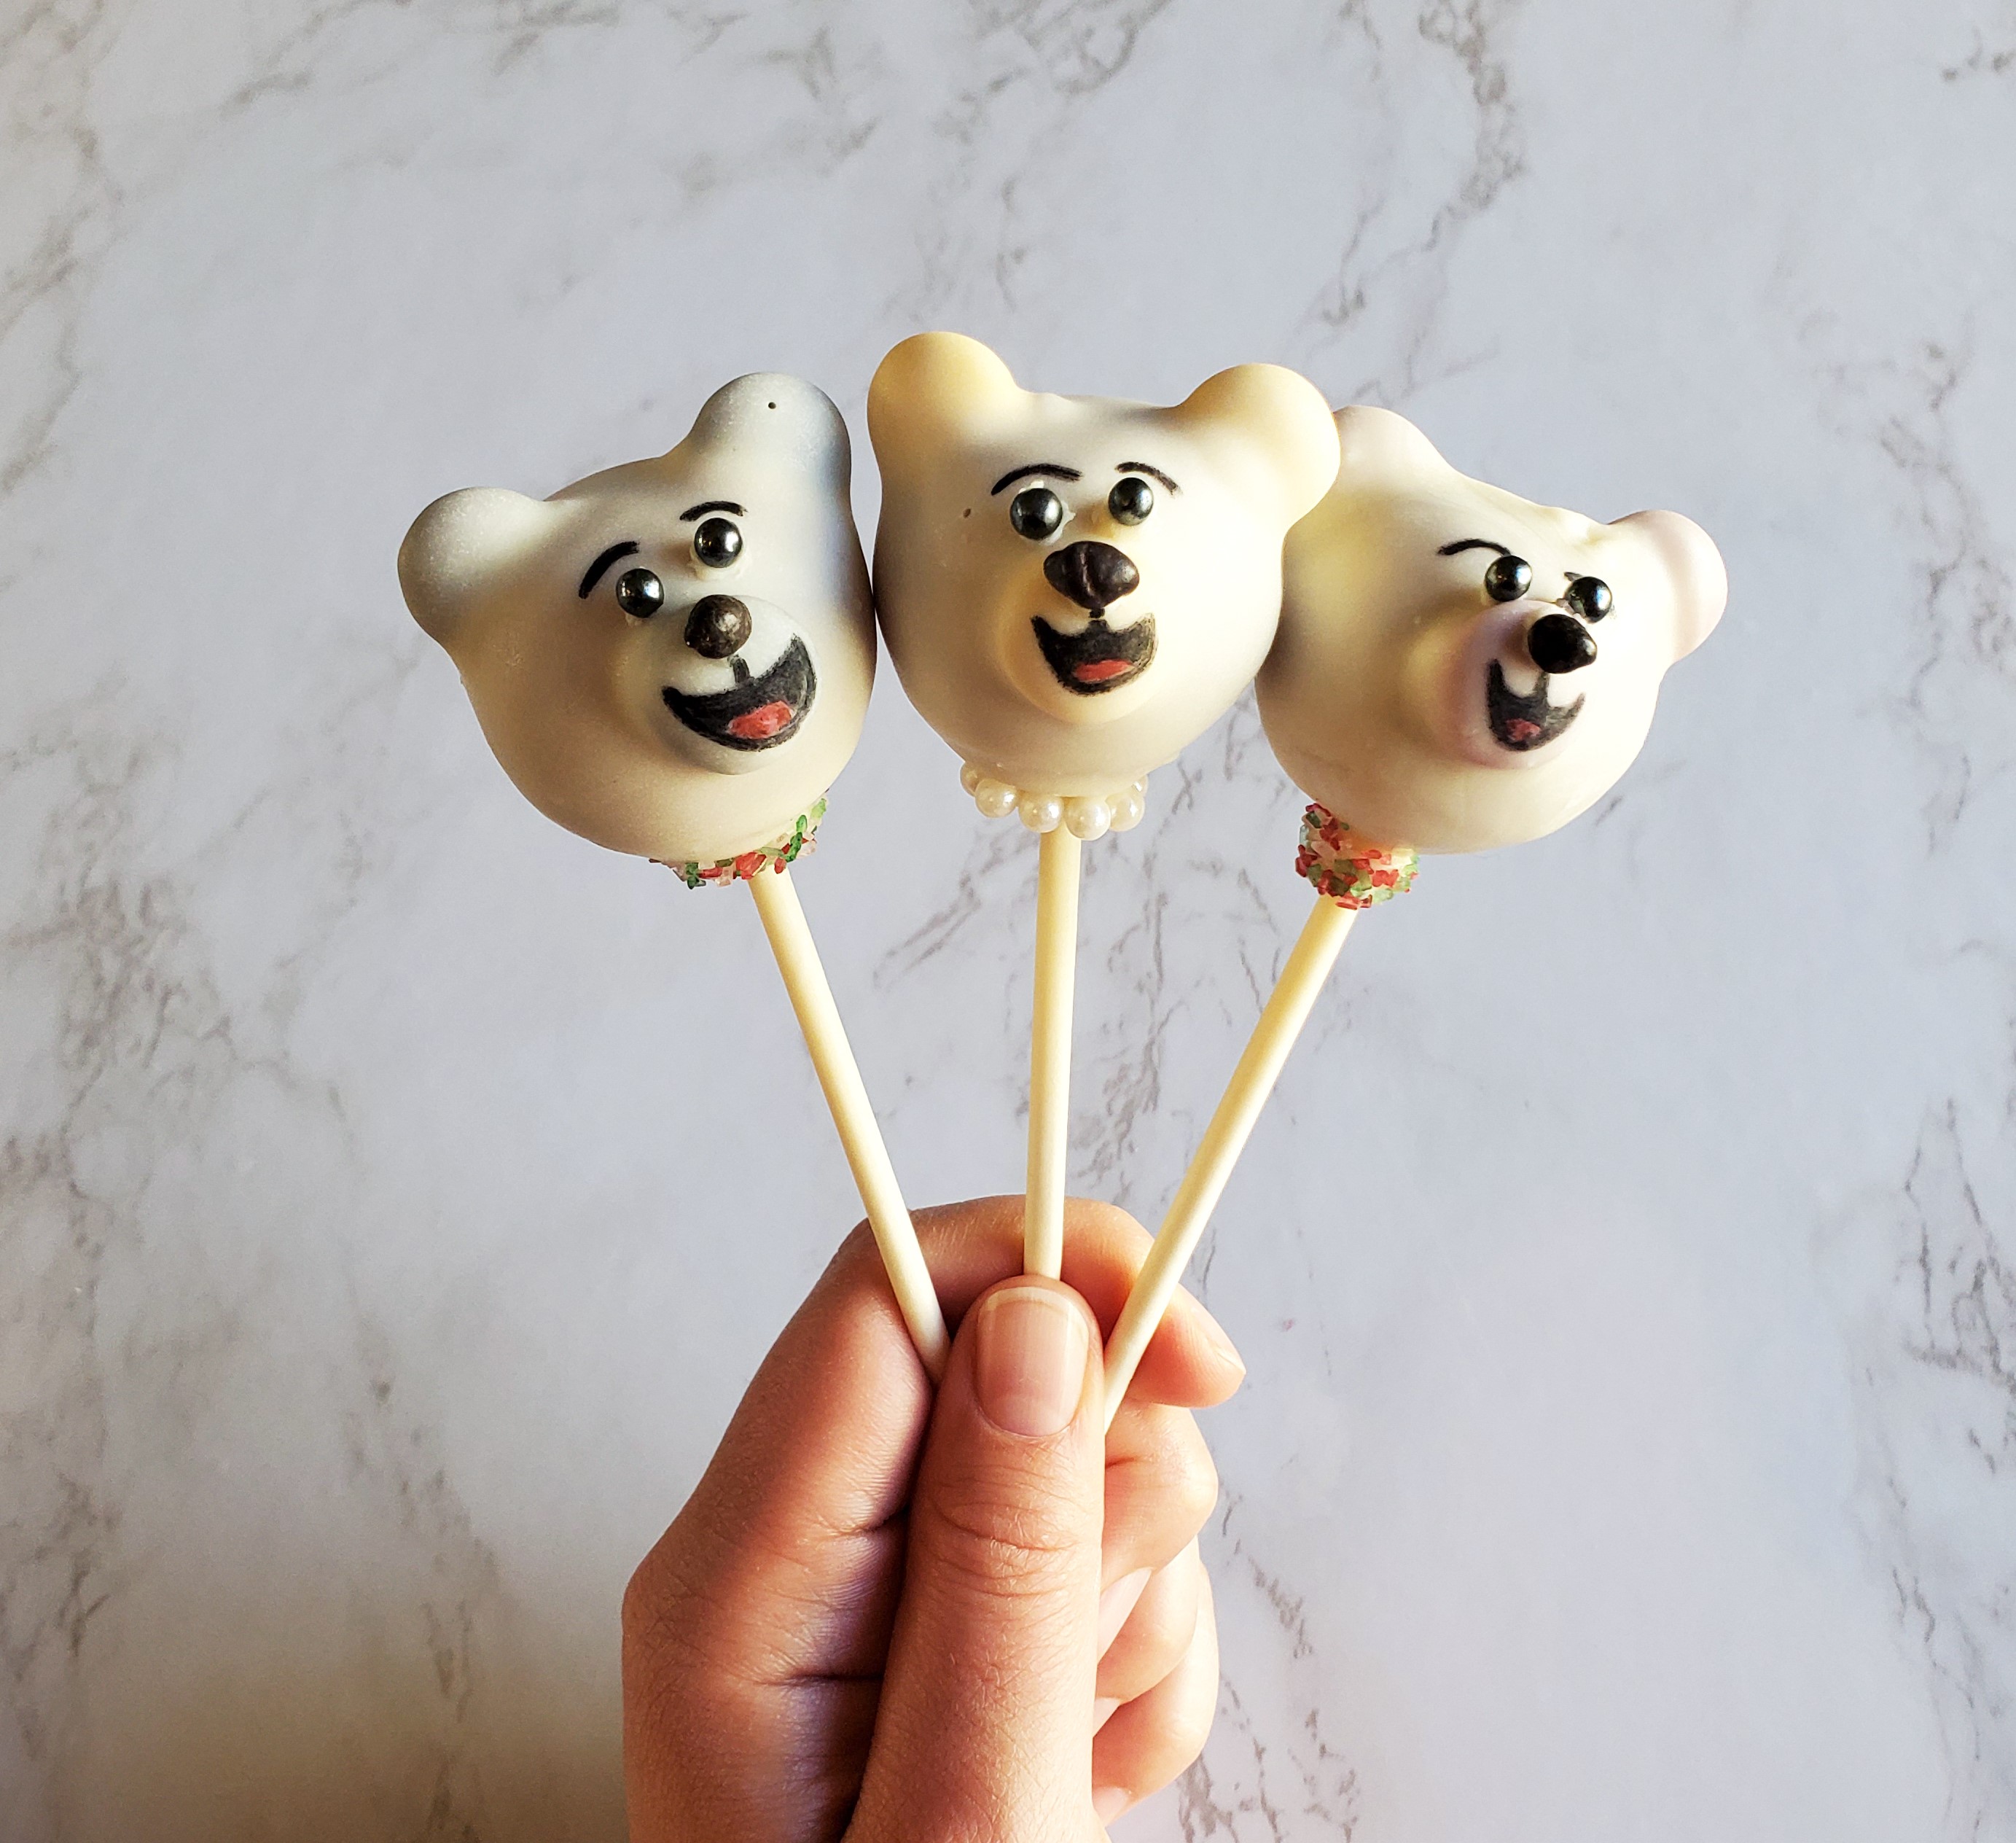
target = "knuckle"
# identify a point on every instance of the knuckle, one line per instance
(1177, 1736)
(1183, 1477)
(1172, 1623)
(1148, 1756)
(667, 1613)
(1156, 1639)
(1138, 1671)
(648, 1595)
(1007, 1547)
(1170, 1473)
(1190, 1719)
(1190, 1729)
(1093, 1218)
(854, 1255)
(1195, 1484)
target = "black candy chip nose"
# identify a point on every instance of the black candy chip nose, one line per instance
(717, 626)
(1559, 643)
(1093, 575)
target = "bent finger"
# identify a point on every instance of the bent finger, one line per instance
(1148, 1741)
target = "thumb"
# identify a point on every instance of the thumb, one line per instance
(984, 1726)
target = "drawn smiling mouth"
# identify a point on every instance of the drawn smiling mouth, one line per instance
(1100, 658)
(756, 711)
(1521, 724)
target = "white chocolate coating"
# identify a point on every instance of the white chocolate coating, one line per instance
(1042, 696)
(1403, 697)
(620, 726)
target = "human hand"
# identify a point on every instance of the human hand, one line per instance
(894, 1620)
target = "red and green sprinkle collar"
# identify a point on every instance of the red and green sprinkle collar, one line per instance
(746, 865)
(1349, 869)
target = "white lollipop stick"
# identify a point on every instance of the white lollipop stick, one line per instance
(1259, 1068)
(1415, 676)
(1049, 1051)
(860, 1137)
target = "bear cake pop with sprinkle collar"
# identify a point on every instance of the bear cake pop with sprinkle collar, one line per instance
(673, 658)
(1456, 669)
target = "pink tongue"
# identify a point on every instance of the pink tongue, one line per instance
(1521, 730)
(1097, 672)
(762, 722)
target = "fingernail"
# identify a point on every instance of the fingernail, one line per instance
(1029, 1362)
(1117, 1602)
(1108, 1801)
(1102, 1710)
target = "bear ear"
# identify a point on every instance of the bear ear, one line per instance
(1379, 445)
(773, 412)
(1701, 579)
(930, 391)
(457, 544)
(1281, 419)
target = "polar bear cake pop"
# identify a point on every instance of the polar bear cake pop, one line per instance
(1073, 589)
(1456, 669)
(673, 658)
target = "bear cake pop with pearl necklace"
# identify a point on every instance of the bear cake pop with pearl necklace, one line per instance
(1456, 668)
(1073, 589)
(673, 658)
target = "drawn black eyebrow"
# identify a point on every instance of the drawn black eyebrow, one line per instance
(1055, 469)
(1153, 473)
(693, 512)
(1472, 544)
(627, 548)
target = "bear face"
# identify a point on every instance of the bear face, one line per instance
(1457, 668)
(1073, 588)
(671, 657)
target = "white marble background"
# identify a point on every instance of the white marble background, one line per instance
(392, 1211)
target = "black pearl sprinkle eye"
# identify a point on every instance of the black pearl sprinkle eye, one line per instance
(639, 594)
(1036, 513)
(1508, 578)
(1589, 597)
(717, 543)
(1131, 501)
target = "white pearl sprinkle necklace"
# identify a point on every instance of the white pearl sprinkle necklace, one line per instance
(1084, 816)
